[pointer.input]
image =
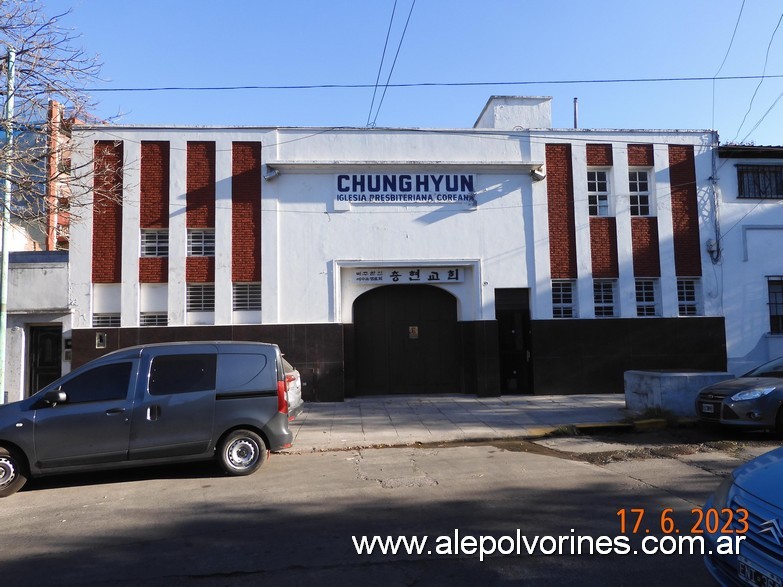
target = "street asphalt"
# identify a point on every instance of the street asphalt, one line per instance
(410, 420)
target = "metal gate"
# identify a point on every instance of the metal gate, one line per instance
(407, 340)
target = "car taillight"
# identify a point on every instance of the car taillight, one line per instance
(290, 377)
(282, 402)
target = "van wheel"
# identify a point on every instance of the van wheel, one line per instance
(13, 472)
(242, 452)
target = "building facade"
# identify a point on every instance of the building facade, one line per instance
(747, 254)
(505, 258)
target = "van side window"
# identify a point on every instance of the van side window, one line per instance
(104, 383)
(182, 374)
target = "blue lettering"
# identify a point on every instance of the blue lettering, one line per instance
(376, 186)
(437, 180)
(405, 183)
(342, 187)
(422, 183)
(466, 184)
(389, 183)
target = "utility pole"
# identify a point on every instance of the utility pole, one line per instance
(8, 115)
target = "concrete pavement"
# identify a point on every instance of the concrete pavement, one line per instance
(408, 420)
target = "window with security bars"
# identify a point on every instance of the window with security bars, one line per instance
(154, 243)
(563, 302)
(106, 320)
(646, 297)
(153, 319)
(603, 298)
(598, 193)
(639, 188)
(247, 296)
(201, 297)
(775, 285)
(201, 242)
(688, 297)
(760, 181)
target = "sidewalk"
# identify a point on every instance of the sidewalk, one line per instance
(406, 420)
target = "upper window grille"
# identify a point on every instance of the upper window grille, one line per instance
(154, 243)
(201, 242)
(106, 320)
(760, 181)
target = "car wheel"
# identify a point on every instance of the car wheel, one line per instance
(13, 472)
(242, 452)
(779, 423)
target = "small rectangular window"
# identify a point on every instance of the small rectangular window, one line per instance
(598, 193)
(154, 243)
(247, 296)
(563, 300)
(201, 297)
(688, 297)
(639, 188)
(603, 298)
(201, 242)
(646, 297)
(172, 374)
(775, 286)
(153, 319)
(760, 181)
(106, 320)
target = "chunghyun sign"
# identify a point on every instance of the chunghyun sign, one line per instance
(412, 188)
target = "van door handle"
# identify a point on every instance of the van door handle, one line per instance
(153, 412)
(115, 411)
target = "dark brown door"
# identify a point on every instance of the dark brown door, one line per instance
(45, 355)
(512, 310)
(406, 340)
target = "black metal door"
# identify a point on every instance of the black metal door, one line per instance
(45, 356)
(512, 311)
(406, 340)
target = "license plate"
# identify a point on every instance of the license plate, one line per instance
(708, 408)
(754, 575)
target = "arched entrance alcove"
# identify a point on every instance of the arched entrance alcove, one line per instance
(407, 340)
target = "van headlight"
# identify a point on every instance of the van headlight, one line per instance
(750, 394)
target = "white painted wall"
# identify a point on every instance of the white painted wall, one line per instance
(751, 243)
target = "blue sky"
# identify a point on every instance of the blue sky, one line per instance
(154, 43)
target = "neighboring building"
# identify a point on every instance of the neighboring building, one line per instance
(39, 310)
(749, 253)
(506, 258)
(39, 322)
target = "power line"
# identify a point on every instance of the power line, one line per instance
(397, 54)
(761, 81)
(432, 84)
(380, 66)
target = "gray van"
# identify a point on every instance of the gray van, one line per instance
(151, 404)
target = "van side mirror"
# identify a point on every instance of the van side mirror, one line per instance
(54, 397)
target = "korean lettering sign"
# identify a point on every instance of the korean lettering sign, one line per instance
(404, 275)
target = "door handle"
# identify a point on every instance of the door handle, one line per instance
(115, 411)
(153, 413)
